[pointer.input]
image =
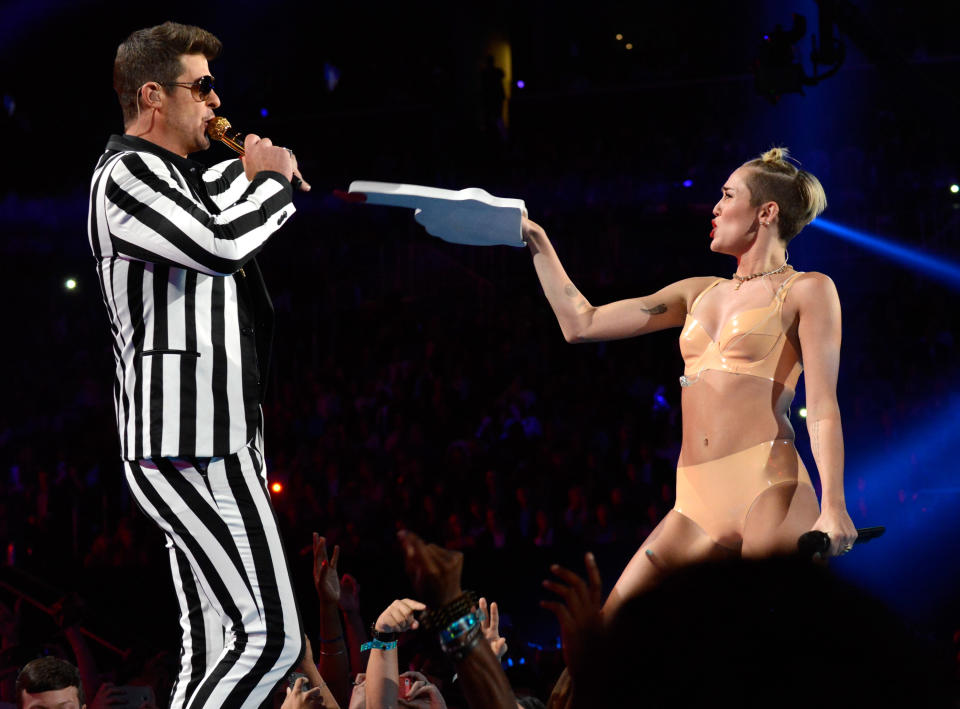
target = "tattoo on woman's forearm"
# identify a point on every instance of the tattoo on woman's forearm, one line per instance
(655, 310)
(570, 291)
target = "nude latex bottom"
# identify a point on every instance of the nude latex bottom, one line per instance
(718, 494)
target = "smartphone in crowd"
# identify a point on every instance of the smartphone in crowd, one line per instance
(292, 681)
(132, 696)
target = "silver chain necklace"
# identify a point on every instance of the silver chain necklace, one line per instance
(744, 279)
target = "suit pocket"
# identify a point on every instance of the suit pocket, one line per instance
(183, 353)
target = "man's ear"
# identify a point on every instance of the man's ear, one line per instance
(151, 95)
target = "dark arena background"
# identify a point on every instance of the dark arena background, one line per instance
(423, 385)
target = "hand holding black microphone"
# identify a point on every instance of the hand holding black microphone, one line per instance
(818, 542)
(258, 153)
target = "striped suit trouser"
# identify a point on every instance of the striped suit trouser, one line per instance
(241, 627)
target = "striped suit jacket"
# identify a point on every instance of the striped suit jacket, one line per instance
(189, 312)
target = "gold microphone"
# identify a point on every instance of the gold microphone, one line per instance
(220, 129)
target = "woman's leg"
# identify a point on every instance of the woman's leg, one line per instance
(677, 541)
(777, 518)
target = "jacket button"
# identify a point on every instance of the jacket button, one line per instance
(246, 331)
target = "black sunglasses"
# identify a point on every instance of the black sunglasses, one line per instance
(200, 88)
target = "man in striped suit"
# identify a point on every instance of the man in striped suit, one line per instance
(192, 323)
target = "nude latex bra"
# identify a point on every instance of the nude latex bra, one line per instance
(751, 342)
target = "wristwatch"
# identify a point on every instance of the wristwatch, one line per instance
(382, 636)
(380, 640)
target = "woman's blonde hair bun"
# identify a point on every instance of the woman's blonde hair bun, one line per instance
(774, 178)
(778, 156)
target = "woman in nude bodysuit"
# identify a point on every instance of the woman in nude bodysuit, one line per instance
(741, 487)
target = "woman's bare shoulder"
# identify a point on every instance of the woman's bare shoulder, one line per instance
(814, 295)
(814, 284)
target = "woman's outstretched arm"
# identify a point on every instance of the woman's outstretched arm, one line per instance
(819, 332)
(582, 322)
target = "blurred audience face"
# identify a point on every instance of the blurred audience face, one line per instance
(543, 522)
(67, 698)
(49, 683)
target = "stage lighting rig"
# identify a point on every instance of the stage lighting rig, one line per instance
(778, 68)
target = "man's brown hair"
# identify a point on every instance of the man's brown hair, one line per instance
(48, 674)
(153, 54)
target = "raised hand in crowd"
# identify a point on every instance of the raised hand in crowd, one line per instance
(332, 659)
(418, 691)
(349, 594)
(491, 628)
(353, 626)
(433, 571)
(562, 695)
(435, 574)
(579, 611)
(308, 667)
(67, 613)
(399, 616)
(108, 695)
(299, 697)
(383, 673)
(325, 578)
(579, 617)
(415, 691)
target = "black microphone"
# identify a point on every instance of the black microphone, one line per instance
(818, 542)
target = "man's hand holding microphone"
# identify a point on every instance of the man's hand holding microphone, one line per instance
(261, 154)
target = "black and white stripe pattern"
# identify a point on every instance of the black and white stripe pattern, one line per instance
(171, 242)
(230, 573)
(200, 628)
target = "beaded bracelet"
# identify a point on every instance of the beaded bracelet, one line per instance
(461, 626)
(459, 648)
(445, 615)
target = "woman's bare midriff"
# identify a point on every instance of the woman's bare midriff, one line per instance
(725, 413)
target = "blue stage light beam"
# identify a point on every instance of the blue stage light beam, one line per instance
(916, 565)
(935, 266)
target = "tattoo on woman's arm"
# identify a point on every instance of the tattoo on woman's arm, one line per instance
(655, 310)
